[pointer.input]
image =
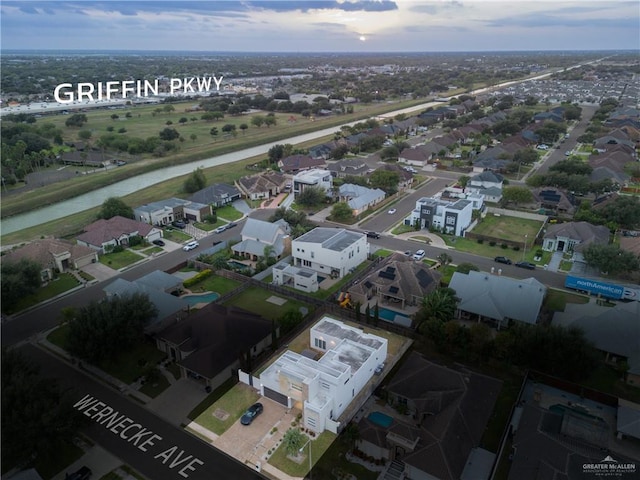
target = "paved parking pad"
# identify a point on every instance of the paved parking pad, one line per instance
(251, 443)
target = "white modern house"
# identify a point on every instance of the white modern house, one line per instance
(323, 388)
(330, 251)
(313, 178)
(452, 217)
(299, 278)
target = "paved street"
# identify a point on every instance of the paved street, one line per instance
(135, 435)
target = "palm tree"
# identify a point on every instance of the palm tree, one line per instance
(444, 259)
(440, 305)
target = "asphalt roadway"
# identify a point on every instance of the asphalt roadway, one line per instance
(134, 434)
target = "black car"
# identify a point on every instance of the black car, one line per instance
(253, 411)
(84, 473)
(373, 235)
(504, 260)
(231, 225)
(160, 243)
(179, 224)
(527, 265)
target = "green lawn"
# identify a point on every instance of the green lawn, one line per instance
(486, 250)
(155, 387)
(216, 284)
(120, 260)
(228, 212)
(152, 250)
(508, 228)
(254, 299)
(318, 447)
(208, 227)
(381, 252)
(65, 455)
(606, 379)
(234, 402)
(63, 283)
(334, 459)
(402, 228)
(556, 300)
(174, 235)
(134, 363)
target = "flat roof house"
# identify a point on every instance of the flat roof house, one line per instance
(331, 251)
(163, 212)
(323, 389)
(452, 217)
(497, 299)
(313, 178)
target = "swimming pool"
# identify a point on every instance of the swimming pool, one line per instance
(390, 316)
(200, 298)
(380, 419)
(236, 264)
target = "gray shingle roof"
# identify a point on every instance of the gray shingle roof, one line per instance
(499, 297)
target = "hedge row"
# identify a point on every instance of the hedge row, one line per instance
(197, 278)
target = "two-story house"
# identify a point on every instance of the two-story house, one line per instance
(452, 217)
(258, 235)
(330, 251)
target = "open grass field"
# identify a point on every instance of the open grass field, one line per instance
(143, 124)
(254, 299)
(120, 260)
(216, 284)
(234, 402)
(508, 228)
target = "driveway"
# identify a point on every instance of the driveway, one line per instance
(97, 459)
(175, 403)
(100, 271)
(251, 443)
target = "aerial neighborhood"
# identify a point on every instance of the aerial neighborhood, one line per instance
(449, 292)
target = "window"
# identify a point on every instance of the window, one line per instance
(313, 254)
(306, 263)
(320, 343)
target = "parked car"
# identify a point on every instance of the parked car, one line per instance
(158, 242)
(253, 411)
(504, 260)
(231, 225)
(419, 255)
(543, 147)
(527, 265)
(220, 229)
(373, 234)
(407, 253)
(392, 211)
(190, 246)
(84, 473)
(179, 224)
(121, 163)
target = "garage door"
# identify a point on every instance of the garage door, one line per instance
(277, 396)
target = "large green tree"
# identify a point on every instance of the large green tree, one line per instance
(439, 305)
(18, 279)
(341, 211)
(385, 180)
(311, 196)
(37, 416)
(196, 181)
(113, 206)
(516, 195)
(102, 330)
(611, 259)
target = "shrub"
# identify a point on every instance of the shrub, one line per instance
(492, 243)
(516, 248)
(480, 241)
(118, 249)
(197, 278)
(504, 246)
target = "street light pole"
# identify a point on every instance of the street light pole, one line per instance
(310, 464)
(524, 251)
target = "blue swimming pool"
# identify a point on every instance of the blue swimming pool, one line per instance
(390, 316)
(380, 419)
(201, 298)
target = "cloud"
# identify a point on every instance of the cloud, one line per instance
(433, 8)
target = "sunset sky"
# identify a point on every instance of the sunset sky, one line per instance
(321, 26)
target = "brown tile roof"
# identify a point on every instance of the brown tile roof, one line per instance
(43, 250)
(102, 231)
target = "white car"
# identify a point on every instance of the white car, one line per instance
(542, 147)
(419, 255)
(190, 246)
(220, 229)
(392, 211)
